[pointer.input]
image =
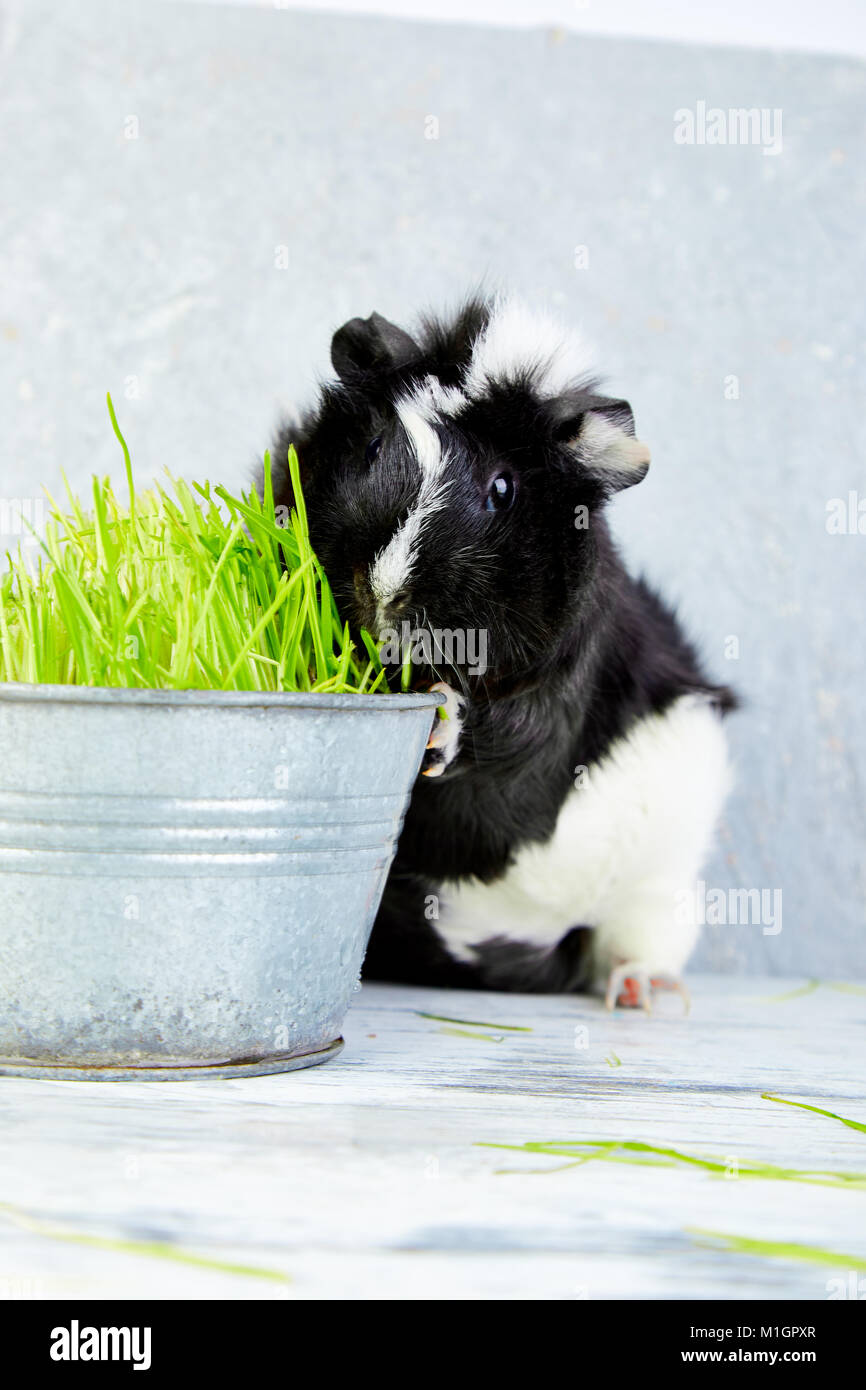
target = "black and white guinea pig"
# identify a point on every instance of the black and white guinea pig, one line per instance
(456, 482)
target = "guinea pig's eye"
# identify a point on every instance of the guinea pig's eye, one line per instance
(373, 448)
(500, 493)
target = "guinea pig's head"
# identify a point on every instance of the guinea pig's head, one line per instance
(455, 481)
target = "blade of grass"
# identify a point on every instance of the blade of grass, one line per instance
(816, 1110)
(655, 1155)
(126, 458)
(474, 1022)
(778, 1249)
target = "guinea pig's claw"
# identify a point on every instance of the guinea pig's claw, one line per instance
(444, 741)
(632, 985)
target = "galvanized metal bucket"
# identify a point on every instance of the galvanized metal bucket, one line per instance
(188, 880)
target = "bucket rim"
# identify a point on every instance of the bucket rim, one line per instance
(23, 692)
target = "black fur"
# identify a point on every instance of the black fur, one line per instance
(578, 649)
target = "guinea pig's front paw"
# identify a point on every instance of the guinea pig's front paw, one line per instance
(443, 744)
(632, 985)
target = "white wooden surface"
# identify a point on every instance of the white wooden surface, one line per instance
(366, 1178)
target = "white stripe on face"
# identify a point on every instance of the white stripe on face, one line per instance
(392, 567)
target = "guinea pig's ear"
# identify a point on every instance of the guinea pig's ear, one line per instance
(600, 433)
(371, 345)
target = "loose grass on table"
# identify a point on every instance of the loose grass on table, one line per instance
(187, 588)
(636, 1153)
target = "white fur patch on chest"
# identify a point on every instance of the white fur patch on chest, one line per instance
(641, 818)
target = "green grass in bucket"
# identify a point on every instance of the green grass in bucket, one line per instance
(174, 591)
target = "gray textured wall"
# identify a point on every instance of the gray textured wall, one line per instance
(153, 259)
